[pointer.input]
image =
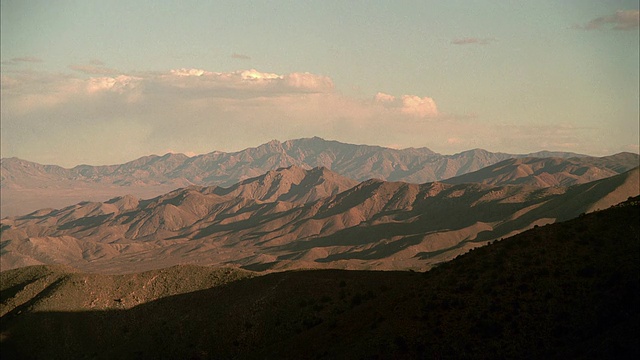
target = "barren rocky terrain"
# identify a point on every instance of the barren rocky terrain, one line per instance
(28, 186)
(297, 218)
(550, 171)
(565, 290)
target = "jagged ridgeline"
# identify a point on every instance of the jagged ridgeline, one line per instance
(564, 290)
(297, 218)
(27, 186)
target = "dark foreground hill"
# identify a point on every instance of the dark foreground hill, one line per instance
(566, 290)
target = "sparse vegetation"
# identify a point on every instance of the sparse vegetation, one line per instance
(568, 290)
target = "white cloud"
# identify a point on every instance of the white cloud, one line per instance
(190, 72)
(238, 84)
(113, 119)
(309, 82)
(193, 109)
(194, 83)
(119, 83)
(256, 75)
(415, 105)
(382, 98)
(408, 104)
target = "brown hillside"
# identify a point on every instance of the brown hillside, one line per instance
(567, 290)
(27, 186)
(374, 225)
(546, 172)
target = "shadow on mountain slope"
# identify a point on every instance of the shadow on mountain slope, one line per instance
(566, 290)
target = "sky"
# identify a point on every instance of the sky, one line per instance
(105, 82)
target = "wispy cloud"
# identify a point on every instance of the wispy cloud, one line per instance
(621, 20)
(238, 84)
(473, 41)
(187, 109)
(193, 109)
(199, 110)
(240, 56)
(30, 59)
(96, 62)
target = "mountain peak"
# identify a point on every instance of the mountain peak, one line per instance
(174, 156)
(155, 175)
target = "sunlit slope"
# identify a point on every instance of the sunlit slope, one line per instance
(567, 290)
(295, 218)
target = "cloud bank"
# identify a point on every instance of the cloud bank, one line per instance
(95, 116)
(96, 113)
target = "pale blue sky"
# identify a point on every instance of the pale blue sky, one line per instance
(512, 76)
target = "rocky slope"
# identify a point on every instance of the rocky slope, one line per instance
(296, 218)
(550, 171)
(27, 186)
(566, 290)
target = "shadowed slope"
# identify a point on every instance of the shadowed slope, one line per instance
(567, 290)
(27, 186)
(545, 172)
(292, 184)
(373, 225)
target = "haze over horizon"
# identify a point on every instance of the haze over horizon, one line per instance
(107, 82)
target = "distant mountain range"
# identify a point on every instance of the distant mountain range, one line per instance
(28, 186)
(298, 218)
